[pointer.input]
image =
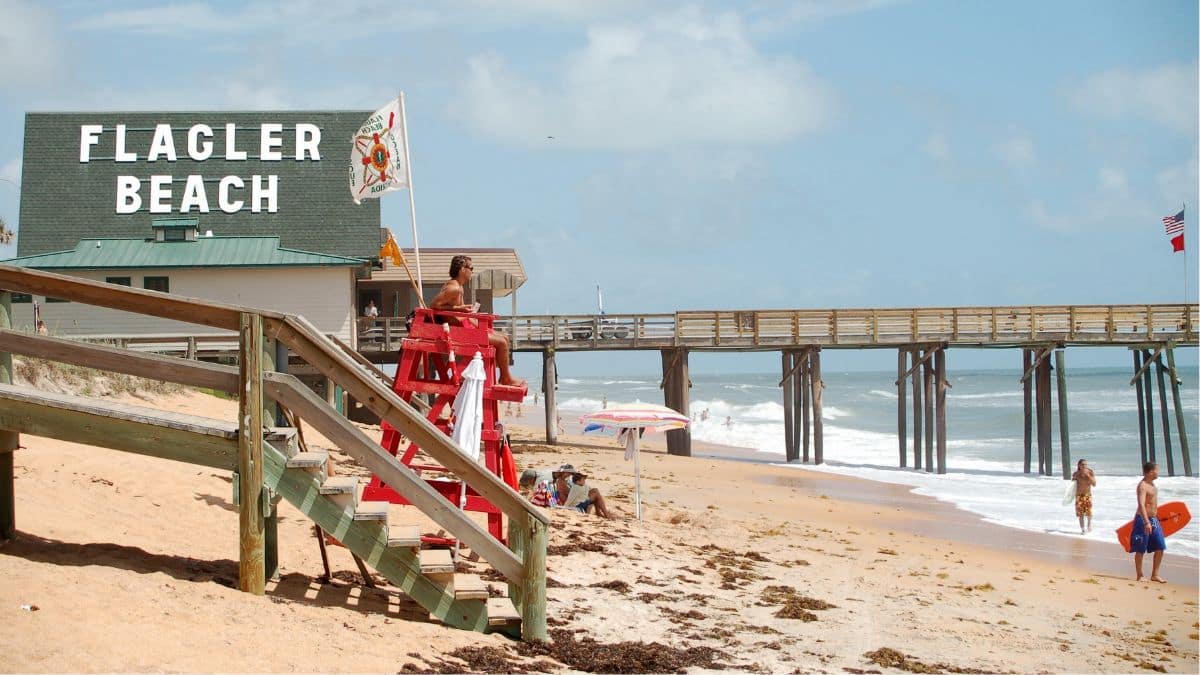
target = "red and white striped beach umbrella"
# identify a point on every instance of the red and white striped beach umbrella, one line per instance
(637, 416)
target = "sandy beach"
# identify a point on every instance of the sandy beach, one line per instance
(128, 563)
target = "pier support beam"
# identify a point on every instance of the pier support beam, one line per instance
(1027, 396)
(1060, 365)
(549, 385)
(1141, 403)
(1166, 422)
(675, 386)
(803, 397)
(1044, 431)
(1179, 418)
(790, 449)
(927, 378)
(901, 406)
(942, 386)
(918, 411)
(8, 439)
(817, 388)
(1148, 392)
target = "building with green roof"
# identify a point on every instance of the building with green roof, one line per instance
(177, 258)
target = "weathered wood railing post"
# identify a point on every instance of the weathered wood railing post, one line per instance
(1180, 426)
(275, 357)
(251, 549)
(8, 439)
(527, 537)
(1060, 365)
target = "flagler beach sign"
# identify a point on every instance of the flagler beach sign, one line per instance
(195, 192)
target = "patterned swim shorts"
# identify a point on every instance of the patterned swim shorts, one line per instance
(1083, 505)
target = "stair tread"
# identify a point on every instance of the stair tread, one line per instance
(408, 536)
(436, 561)
(501, 611)
(305, 460)
(470, 587)
(339, 485)
(372, 510)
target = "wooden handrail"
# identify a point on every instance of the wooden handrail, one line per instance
(292, 394)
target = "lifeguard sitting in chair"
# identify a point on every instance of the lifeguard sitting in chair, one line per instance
(450, 299)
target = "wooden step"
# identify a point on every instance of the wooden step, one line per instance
(436, 561)
(469, 587)
(372, 511)
(404, 536)
(500, 612)
(308, 460)
(341, 489)
(283, 439)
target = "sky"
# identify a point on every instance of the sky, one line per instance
(707, 155)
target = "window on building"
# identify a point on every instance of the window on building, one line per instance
(174, 234)
(120, 281)
(161, 284)
(49, 300)
(18, 298)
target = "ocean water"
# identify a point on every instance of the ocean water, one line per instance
(984, 430)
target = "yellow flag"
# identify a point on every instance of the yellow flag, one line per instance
(391, 250)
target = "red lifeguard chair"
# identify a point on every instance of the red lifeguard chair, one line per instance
(432, 359)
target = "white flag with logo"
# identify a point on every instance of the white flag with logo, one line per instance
(377, 161)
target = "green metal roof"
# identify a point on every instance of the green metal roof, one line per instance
(204, 252)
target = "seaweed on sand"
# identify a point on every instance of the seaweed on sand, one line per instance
(588, 655)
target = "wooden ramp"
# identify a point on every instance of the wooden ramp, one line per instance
(301, 478)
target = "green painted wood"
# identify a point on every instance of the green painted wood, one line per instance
(31, 412)
(272, 416)
(1179, 418)
(9, 439)
(251, 525)
(369, 540)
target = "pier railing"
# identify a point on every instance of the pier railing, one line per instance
(748, 330)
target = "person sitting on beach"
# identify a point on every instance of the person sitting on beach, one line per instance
(450, 298)
(1147, 535)
(537, 487)
(1085, 480)
(570, 492)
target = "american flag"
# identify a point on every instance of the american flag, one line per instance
(1175, 226)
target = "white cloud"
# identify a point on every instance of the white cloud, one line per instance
(1165, 95)
(29, 44)
(937, 146)
(1178, 183)
(682, 78)
(811, 11)
(1113, 181)
(1017, 151)
(11, 172)
(1111, 204)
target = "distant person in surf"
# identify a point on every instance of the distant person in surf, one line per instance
(1085, 480)
(1147, 535)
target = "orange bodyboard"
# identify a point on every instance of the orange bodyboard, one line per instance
(1173, 516)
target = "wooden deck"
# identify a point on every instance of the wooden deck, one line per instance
(767, 330)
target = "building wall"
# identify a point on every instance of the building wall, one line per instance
(324, 295)
(65, 199)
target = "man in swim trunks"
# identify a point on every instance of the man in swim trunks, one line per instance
(1085, 480)
(450, 298)
(1147, 535)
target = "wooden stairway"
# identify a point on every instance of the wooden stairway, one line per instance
(427, 576)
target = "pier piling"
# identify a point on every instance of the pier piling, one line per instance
(804, 391)
(549, 384)
(817, 386)
(1027, 395)
(675, 385)
(927, 378)
(942, 386)
(1141, 404)
(1149, 395)
(789, 409)
(1180, 425)
(1060, 365)
(918, 414)
(901, 405)
(1166, 422)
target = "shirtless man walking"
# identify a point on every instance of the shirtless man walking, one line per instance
(1147, 535)
(1085, 480)
(450, 298)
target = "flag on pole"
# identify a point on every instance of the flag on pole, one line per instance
(378, 161)
(1175, 227)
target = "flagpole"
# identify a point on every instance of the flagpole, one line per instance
(1185, 255)
(412, 204)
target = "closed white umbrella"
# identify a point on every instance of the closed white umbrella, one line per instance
(634, 417)
(468, 418)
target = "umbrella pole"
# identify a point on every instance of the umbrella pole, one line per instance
(637, 473)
